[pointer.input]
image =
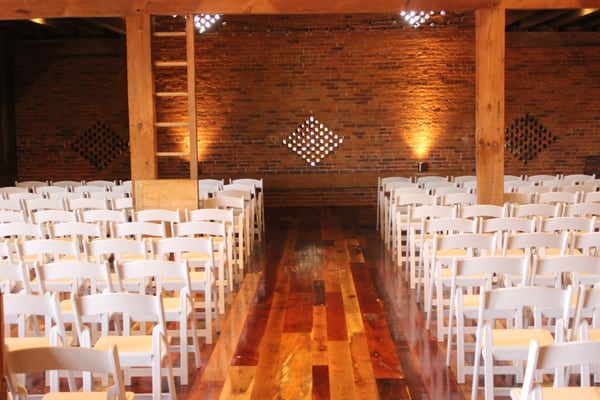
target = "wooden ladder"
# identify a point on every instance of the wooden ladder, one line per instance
(165, 97)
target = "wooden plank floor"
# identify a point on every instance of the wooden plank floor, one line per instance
(323, 314)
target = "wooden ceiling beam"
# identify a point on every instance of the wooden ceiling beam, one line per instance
(26, 9)
(552, 39)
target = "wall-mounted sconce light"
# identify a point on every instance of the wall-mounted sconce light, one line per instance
(422, 166)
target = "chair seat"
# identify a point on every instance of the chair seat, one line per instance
(18, 343)
(82, 396)
(128, 347)
(508, 340)
(561, 393)
(172, 305)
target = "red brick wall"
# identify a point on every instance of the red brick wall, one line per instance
(63, 91)
(379, 85)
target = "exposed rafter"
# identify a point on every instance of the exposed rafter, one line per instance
(26, 9)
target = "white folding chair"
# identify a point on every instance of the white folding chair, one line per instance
(14, 276)
(72, 359)
(35, 318)
(563, 270)
(169, 217)
(503, 226)
(116, 250)
(560, 358)
(105, 217)
(12, 216)
(73, 277)
(31, 184)
(586, 243)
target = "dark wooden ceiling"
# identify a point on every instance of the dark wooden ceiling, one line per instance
(564, 20)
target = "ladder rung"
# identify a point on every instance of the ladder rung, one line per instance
(171, 94)
(170, 124)
(172, 154)
(170, 63)
(168, 34)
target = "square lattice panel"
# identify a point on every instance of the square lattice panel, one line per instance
(100, 145)
(312, 141)
(526, 137)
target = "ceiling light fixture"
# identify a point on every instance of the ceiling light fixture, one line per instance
(418, 18)
(204, 22)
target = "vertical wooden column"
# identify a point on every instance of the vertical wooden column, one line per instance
(190, 34)
(140, 82)
(489, 114)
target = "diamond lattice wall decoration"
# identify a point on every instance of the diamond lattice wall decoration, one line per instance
(100, 145)
(526, 137)
(312, 141)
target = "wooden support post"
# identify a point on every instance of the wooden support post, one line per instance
(191, 84)
(140, 78)
(489, 115)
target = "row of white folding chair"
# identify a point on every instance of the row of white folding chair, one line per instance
(34, 185)
(258, 185)
(587, 307)
(532, 217)
(207, 270)
(30, 206)
(476, 212)
(93, 277)
(248, 193)
(401, 198)
(208, 188)
(539, 179)
(383, 194)
(241, 224)
(468, 273)
(385, 186)
(150, 351)
(67, 239)
(541, 194)
(411, 224)
(229, 210)
(445, 247)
